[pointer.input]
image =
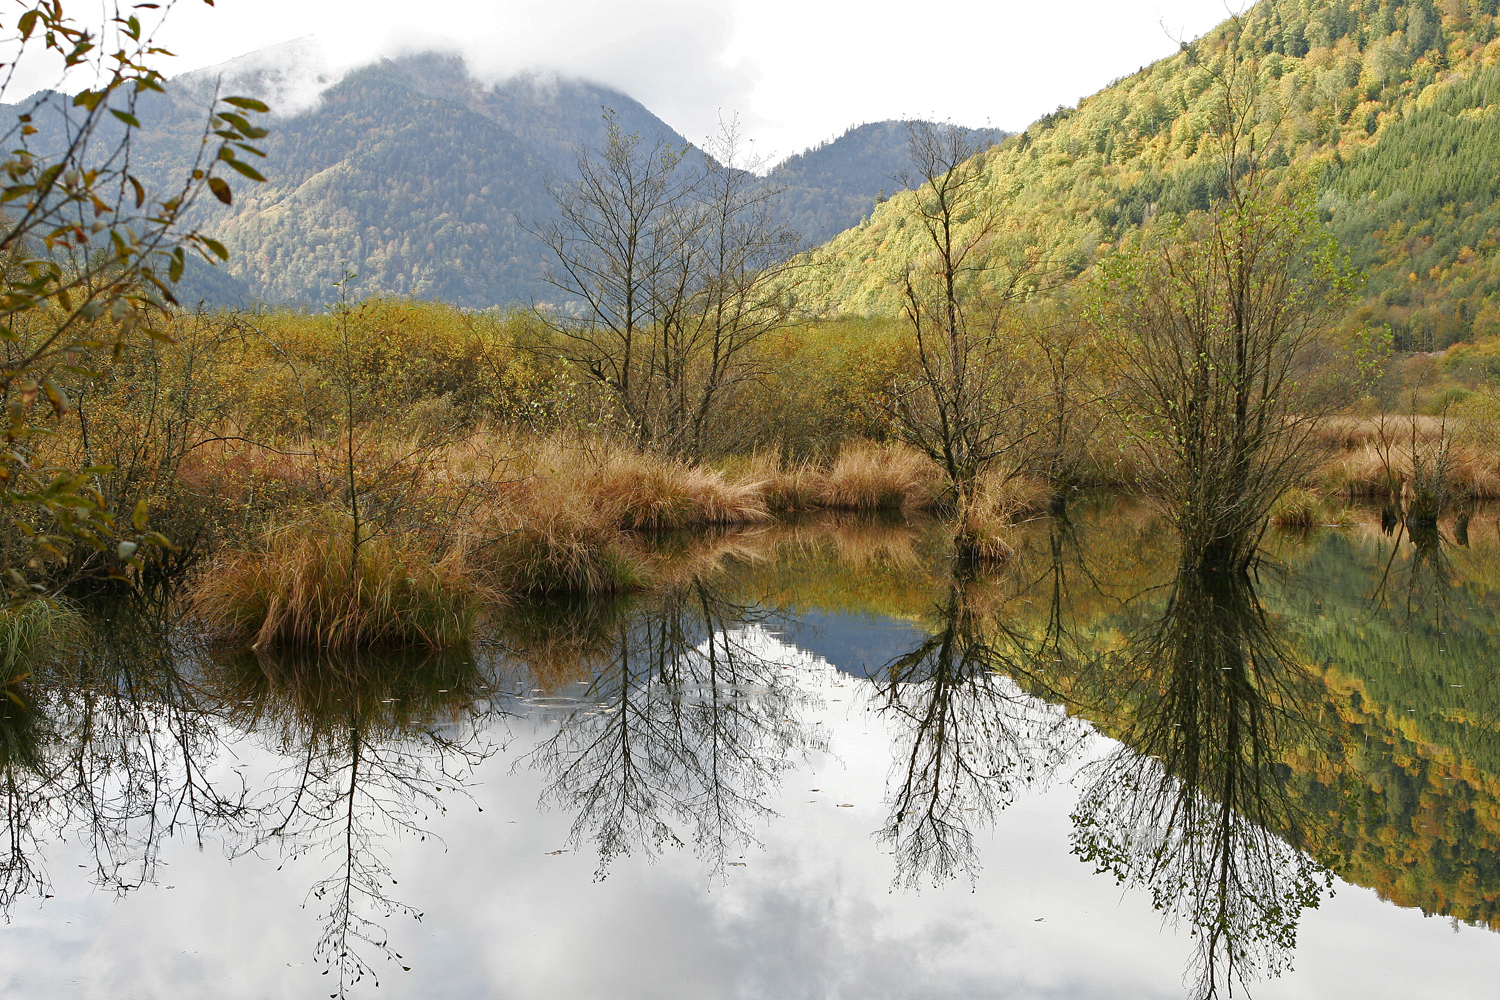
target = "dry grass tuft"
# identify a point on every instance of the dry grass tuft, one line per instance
(299, 589)
(1297, 509)
(868, 476)
(864, 476)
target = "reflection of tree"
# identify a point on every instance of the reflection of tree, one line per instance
(376, 745)
(112, 743)
(1420, 592)
(685, 724)
(969, 737)
(1192, 806)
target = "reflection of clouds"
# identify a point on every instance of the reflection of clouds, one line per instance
(811, 916)
(681, 738)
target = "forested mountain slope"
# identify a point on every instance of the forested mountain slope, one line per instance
(420, 179)
(409, 172)
(1388, 106)
(832, 186)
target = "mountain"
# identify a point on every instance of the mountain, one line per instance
(409, 172)
(419, 178)
(1391, 108)
(832, 186)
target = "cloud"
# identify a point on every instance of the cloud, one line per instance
(796, 71)
(670, 56)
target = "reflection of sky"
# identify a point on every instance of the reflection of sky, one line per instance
(859, 644)
(811, 915)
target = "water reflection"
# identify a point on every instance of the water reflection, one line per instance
(1193, 806)
(109, 741)
(376, 746)
(668, 721)
(680, 729)
(967, 737)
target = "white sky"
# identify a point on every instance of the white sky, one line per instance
(796, 71)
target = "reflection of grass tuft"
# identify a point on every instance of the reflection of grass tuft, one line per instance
(390, 691)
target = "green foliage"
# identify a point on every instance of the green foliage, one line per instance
(1389, 107)
(34, 632)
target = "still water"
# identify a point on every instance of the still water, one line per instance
(817, 762)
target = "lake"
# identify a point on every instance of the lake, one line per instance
(818, 760)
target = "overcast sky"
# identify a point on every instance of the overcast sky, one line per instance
(796, 71)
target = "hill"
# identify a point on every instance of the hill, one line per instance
(420, 178)
(832, 186)
(1389, 106)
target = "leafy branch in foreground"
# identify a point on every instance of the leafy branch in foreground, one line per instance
(88, 261)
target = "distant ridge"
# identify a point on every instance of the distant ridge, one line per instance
(833, 185)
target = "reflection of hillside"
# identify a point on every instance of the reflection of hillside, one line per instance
(1410, 802)
(1397, 786)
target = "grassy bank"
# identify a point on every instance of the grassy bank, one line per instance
(493, 517)
(387, 478)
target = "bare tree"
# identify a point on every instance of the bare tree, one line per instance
(672, 269)
(615, 244)
(740, 268)
(965, 403)
(1217, 325)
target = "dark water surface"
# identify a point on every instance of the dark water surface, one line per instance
(819, 763)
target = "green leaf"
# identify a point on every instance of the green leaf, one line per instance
(215, 246)
(248, 103)
(27, 24)
(126, 117)
(238, 121)
(221, 191)
(247, 170)
(138, 519)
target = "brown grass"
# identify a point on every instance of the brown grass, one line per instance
(301, 588)
(1297, 509)
(864, 476)
(516, 515)
(1358, 464)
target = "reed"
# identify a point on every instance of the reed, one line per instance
(36, 631)
(863, 476)
(1298, 509)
